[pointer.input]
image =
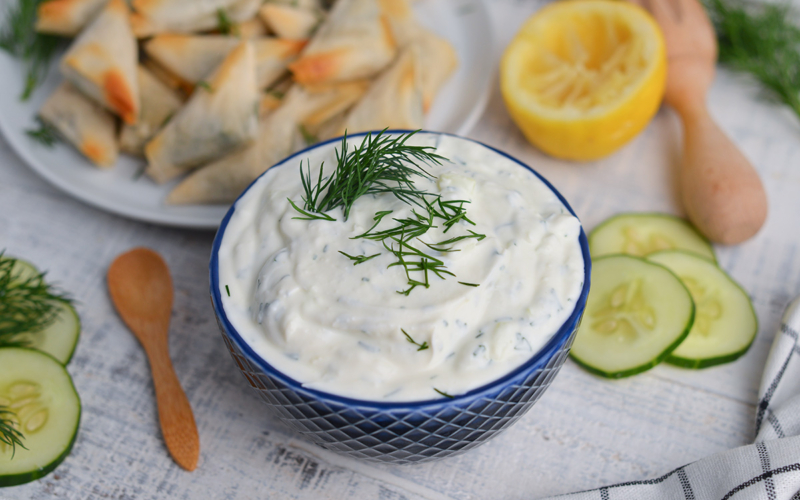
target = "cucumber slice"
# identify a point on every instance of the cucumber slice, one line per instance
(640, 234)
(637, 313)
(40, 391)
(23, 270)
(725, 324)
(60, 337)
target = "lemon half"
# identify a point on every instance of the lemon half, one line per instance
(583, 77)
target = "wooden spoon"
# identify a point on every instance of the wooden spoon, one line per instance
(141, 289)
(721, 191)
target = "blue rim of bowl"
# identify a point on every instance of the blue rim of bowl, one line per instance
(558, 338)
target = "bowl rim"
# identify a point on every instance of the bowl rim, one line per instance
(559, 337)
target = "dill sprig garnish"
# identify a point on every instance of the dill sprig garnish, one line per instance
(205, 86)
(20, 39)
(380, 164)
(26, 305)
(46, 134)
(358, 259)
(443, 393)
(385, 164)
(760, 39)
(9, 434)
(225, 25)
(397, 240)
(420, 347)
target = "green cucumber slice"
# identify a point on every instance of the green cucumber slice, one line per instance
(637, 313)
(725, 323)
(38, 389)
(60, 337)
(23, 270)
(640, 234)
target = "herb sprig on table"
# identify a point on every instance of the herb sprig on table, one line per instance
(760, 39)
(19, 38)
(385, 164)
(26, 305)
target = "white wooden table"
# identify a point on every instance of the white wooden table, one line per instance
(585, 432)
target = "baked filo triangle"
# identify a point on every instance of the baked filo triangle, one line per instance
(66, 17)
(220, 117)
(437, 58)
(193, 57)
(394, 100)
(159, 103)
(290, 21)
(354, 42)
(188, 16)
(83, 123)
(101, 62)
(223, 180)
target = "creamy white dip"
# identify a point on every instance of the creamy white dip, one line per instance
(334, 326)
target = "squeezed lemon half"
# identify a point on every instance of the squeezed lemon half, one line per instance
(583, 77)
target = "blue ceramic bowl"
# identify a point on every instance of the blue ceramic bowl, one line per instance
(404, 432)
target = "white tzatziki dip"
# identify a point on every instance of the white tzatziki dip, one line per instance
(342, 327)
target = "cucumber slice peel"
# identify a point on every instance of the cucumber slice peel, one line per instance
(40, 392)
(23, 270)
(637, 313)
(59, 338)
(641, 234)
(726, 322)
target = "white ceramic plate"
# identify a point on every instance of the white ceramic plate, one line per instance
(120, 190)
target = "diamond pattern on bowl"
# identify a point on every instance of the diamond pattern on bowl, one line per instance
(411, 433)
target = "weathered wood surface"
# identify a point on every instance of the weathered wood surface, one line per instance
(584, 432)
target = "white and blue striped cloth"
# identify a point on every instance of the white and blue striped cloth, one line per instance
(768, 469)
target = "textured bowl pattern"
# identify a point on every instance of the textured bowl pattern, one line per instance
(414, 434)
(401, 432)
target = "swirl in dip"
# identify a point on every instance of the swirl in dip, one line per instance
(338, 327)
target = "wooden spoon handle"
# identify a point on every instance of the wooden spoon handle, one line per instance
(722, 192)
(174, 412)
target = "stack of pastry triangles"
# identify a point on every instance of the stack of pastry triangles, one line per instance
(215, 92)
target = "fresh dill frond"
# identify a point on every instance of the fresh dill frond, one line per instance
(443, 393)
(420, 347)
(385, 164)
(442, 245)
(760, 39)
(308, 215)
(380, 164)
(468, 284)
(26, 305)
(358, 259)
(45, 134)
(20, 39)
(228, 290)
(9, 434)
(397, 240)
(225, 25)
(205, 86)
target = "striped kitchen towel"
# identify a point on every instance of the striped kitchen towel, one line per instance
(768, 469)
